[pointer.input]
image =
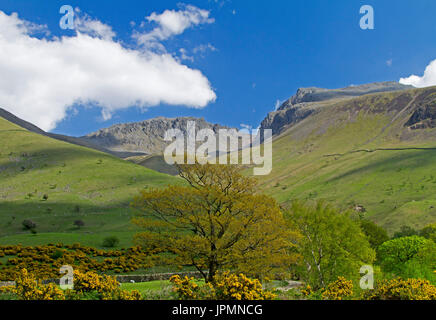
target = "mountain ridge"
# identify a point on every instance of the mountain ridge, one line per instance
(375, 151)
(145, 136)
(306, 101)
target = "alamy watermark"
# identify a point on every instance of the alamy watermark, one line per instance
(367, 280)
(228, 146)
(67, 20)
(67, 281)
(367, 20)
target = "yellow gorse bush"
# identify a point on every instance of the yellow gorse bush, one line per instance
(338, 290)
(28, 288)
(44, 261)
(185, 288)
(107, 287)
(307, 291)
(225, 286)
(6, 289)
(399, 289)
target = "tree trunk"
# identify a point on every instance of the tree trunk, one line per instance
(213, 264)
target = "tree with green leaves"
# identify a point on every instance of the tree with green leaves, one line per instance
(215, 222)
(405, 231)
(332, 244)
(408, 256)
(376, 235)
(429, 232)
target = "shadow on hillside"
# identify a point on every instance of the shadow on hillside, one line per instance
(60, 217)
(48, 157)
(20, 162)
(402, 159)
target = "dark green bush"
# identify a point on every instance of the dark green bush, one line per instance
(110, 242)
(28, 225)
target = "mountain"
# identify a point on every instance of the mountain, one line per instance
(140, 142)
(310, 100)
(54, 183)
(370, 146)
(78, 141)
(145, 136)
(377, 151)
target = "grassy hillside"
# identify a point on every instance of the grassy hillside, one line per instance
(361, 152)
(79, 183)
(156, 163)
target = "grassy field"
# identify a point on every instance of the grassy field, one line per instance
(146, 286)
(54, 183)
(94, 240)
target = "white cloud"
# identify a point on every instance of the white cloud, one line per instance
(172, 22)
(389, 63)
(41, 78)
(204, 47)
(184, 55)
(427, 80)
(92, 27)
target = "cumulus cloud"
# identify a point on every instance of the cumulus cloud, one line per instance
(428, 79)
(95, 28)
(42, 78)
(173, 22)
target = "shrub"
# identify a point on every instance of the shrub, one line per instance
(101, 287)
(227, 286)
(79, 223)
(405, 231)
(376, 235)
(338, 290)
(28, 225)
(398, 289)
(110, 242)
(423, 264)
(27, 288)
(185, 288)
(87, 286)
(429, 232)
(394, 254)
(57, 254)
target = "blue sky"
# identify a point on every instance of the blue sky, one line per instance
(259, 51)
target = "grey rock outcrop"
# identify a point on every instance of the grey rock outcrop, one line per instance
(145, 136)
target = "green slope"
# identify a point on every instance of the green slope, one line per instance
(80, 183)
(361, 152)
(155, 162)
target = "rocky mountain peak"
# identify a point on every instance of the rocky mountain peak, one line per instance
(145, 136)
(308, 100)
